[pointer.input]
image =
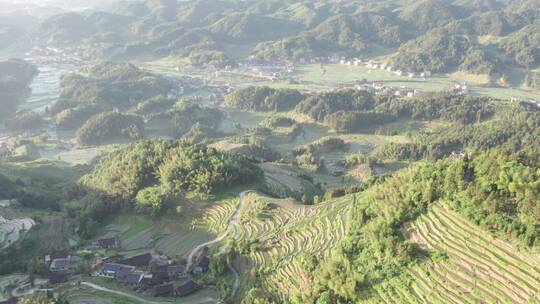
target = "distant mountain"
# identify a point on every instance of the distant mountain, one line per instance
(479, 36)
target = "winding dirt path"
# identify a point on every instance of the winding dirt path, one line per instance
(231, 226)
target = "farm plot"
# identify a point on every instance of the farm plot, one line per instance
(11, 230)
(479, 268)
(8, 282)
(281, 231)
(216, 218)
(174, 235)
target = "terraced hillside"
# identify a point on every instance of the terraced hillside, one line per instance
(278, 231)
(10, 230)
(479, 268)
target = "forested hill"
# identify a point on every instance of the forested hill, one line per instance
(15, 78)
(429, 35)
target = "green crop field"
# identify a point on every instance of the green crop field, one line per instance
(313, 77)
(479, 267)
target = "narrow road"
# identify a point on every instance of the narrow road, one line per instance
(232, 225)
(204, 300)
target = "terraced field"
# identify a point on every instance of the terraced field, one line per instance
(10, 230)
(479, 268)
(282, 231)
(216, 218)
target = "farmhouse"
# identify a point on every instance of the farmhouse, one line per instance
(202, 264)
(110, 270)
(176, 271)
(107, 243)
(148, 280)
(160, 276)
(56, 255)
(130, 278)
(165, 290)
(187, 288)
(64, 264)
(57, 278)
(138, 261)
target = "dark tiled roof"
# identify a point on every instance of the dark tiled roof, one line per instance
(116, 267)
(163, 290)
(132, 278)
(175, 269)
(204, 262)
(60, 263)
(160, 276)
(149, 281)
(57, 278)
(188, 288)
(139, 260)
(107, 243)
(59, 254)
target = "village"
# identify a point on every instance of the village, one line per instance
(150, 274)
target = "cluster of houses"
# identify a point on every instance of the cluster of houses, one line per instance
(184, 84)
(46, 55)
(517, 99)
(154, 276)
(148, 273)
(377, 88)
(382, 66)
(459, 89)
(271, 70)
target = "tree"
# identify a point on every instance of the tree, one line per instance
(150, 200)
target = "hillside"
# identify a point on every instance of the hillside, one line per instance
(15, 78)
(272, 152)
(301, 30)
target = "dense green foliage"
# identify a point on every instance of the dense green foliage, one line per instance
(110, 126)
(533, 81)
(105, 87)
(15, 78)
(264, 99)
(352, 121)
(155, 104)
(188, 117)
(496, 189)
(321, 105)
(429, 106)
(193, 168)
(178, 167)
(524, 46)
(443, 51)
(479, 124)
(73, 118)
(25, 120)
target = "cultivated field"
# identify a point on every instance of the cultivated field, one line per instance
(8, 282)
(479, 268)
(279, 231)
(316, 78)
(11, 230)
